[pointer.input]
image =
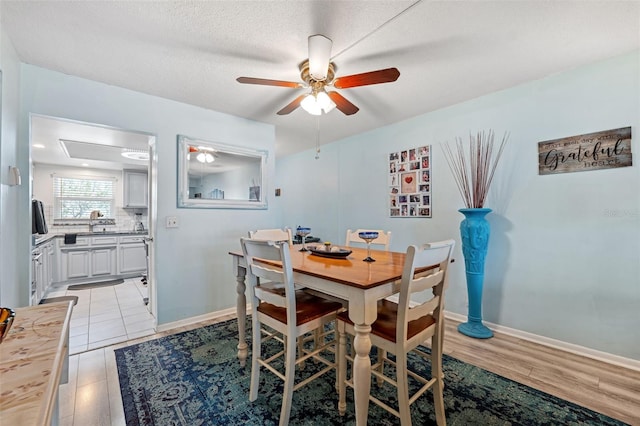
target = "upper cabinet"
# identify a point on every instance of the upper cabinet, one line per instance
(135, 189)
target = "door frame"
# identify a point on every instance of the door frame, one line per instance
(152, 209)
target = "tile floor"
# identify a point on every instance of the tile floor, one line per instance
(107, 315)
(92, 396)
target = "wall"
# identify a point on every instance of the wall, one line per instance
(564, 254)
(193, 268)
(42, 175)
(12, 281)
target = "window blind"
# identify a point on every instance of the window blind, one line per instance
(76, 198)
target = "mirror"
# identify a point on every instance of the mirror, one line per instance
(217, 176)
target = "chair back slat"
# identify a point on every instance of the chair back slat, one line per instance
(272, 235)
(426, 308)
(429, 255)
(384, 238)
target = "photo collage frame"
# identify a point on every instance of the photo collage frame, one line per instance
(410, 182)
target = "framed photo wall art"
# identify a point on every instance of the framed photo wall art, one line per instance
(410, 182)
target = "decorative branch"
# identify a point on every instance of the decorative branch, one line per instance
(474, 173)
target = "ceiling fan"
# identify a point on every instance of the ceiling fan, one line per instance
(318, 73)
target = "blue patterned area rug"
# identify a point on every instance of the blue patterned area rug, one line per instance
(194, 378)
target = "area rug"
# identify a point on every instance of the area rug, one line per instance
(89, 286)
(194, 378)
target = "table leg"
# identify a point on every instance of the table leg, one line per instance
(241, 312)
(362, 372)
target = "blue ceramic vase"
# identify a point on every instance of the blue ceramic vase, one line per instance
(474, 230)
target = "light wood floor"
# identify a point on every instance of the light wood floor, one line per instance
(92, 396)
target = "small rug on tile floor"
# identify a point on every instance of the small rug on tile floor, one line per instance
(73, 299)
(89, 286)
(194, 378)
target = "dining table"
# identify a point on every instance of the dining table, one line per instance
(349, 278)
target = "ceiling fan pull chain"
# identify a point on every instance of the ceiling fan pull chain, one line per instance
(317, 138)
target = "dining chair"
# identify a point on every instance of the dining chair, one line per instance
(384, 238)
(276, 234)
(293, 313)
(401, 327)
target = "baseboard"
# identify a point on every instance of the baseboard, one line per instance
(556, 344)
(193, 320)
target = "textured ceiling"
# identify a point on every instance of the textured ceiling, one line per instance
(446, 51)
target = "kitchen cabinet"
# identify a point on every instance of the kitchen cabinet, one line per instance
(103, 261)
(96, 258)
(43, 261)
(135, 189)
(37, 272)
(88, 258)
(133, 255)
(75, 264)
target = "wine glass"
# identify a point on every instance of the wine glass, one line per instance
(368, 236)
(302, 233)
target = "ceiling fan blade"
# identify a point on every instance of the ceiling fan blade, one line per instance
(319, 56)
(366, 78)
(292, 105)
(267, 82)
(342, 103)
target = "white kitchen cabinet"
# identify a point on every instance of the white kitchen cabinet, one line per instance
(135, 189)
(52, 261)
(98, 257)
(37, 271)
(133, 258)
(75, 264)
(44, 258)
(103, 261)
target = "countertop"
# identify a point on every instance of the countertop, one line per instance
(32, 358)
(48, 237)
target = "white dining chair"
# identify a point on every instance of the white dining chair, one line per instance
(292, 313)
(401, 327)
(384, 238)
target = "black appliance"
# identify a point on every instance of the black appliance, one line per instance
(38, 222)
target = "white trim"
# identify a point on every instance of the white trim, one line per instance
(620, 361)
(196, 319)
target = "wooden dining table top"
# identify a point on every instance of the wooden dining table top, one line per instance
(352, 270)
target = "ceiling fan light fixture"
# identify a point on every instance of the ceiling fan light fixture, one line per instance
(316, 104)
(135, 154)
(205, 157)
(319, 56)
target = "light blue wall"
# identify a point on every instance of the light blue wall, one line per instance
(193, 268)
(13, 281)
(564, 255)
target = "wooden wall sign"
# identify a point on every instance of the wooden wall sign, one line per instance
(594, 151)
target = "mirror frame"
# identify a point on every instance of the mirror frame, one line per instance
(205, 203)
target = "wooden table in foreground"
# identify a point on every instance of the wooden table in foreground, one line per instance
(34, 360)
(362, 284)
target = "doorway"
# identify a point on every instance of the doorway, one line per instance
(100, 246)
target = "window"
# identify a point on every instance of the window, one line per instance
(76, 198)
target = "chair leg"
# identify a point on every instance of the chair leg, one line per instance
(289, 378)
(403, 388)
(300, 341)
(256, 354)
(382, 354)
(341, 359)
(438, 387)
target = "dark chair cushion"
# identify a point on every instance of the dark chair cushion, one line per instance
(385, 325)
(308, 308)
